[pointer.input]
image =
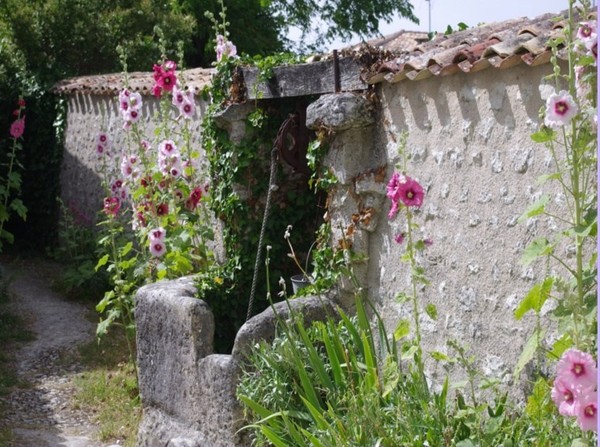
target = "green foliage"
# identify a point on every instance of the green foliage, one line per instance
(331, 384)
(339, 18)
(108, 389)
(10, 189)
(573, 149)
(77, 252)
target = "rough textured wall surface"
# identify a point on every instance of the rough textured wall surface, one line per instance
(187, 391)
(469, 145)
(87, 116)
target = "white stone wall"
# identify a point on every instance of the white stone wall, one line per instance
(470, 147)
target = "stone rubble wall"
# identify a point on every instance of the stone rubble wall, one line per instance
(468, 144)
(187, 391)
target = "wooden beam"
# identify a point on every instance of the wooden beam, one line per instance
(315, 78)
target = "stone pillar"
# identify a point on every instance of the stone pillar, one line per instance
(356, 201)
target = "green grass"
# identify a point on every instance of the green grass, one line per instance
(109, 387)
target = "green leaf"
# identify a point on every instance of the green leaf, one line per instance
(431, 311)
(559, 347)
(528, 351)
(465, 443)
(439, 356)
(391, 376)
(536, 209)
(538, 247)
(102, 262)
(535, 298)
(543, 136)
(7, 235)
(402, 330)
(544, 178)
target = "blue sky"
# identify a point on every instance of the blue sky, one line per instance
(471, 12)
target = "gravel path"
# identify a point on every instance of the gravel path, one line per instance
(43, 414)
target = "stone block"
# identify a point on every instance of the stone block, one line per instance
(263, 326)
(339, 111)
(174, 331)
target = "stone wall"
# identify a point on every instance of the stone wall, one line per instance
(469, 145)
(187, 391)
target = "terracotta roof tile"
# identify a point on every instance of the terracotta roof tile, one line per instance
(112, 84)
(498, 45)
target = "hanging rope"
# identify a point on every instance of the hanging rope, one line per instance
(259, 249)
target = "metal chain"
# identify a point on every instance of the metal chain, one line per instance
(262, 230)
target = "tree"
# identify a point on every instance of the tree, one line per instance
(327, 20)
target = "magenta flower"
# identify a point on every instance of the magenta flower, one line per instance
(162, 209)
(399, 238)
(167, 81)
(157, 248)
(406, 190)
(560, 109)
(111, 206)
(586, 411)
(410, 192)
(563, 397)
(577, 370)
(17, 128)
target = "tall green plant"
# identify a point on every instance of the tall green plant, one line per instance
(11, 184)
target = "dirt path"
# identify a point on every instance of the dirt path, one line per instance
(43, 414)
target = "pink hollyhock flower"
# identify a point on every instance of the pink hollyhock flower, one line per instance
(135, 101)
(410, 192)
(167, 81)
(157, 72)
(167, 148)
(428, 242)
(586, 411)
(21, 103)
(560, 109)
(131, 115)
(156, 91)
(195, 196)
(399, 238)
(170, 66)
(176, 169)
(587, 31)
(577, 370)
(225, 48)
(17, 128)
(124, 99)
(187, 109)
(111, 206)
(178, 97)
(126, 167)
(157, 248)
(116, 185)
(103, 139)
(563, 397)
(157, 234)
